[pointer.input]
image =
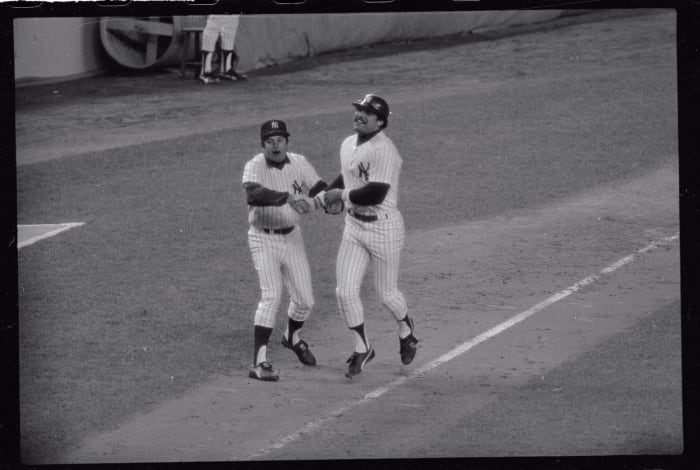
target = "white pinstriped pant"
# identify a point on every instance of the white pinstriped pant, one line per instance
(280, 261)
(380, 244)
(225, 26)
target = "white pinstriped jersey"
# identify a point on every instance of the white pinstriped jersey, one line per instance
(377, 243)
(376, 160)
(295, 177)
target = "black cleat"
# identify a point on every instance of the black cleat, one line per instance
(263, 371)
(301, 349)
(233, 75)
(408, 346)
(408, 349)
(357, 361)
(208, 78)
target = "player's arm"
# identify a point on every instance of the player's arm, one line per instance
(311, 178)
(338, 182)
(370, 194)
(258, 195)
(317, 188)
(336, 185)
(316, 194)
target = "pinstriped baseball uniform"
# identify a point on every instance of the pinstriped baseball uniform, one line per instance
(224, 25)
(280, 259)
(378, 242)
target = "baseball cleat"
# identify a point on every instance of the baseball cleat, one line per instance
(208, 78)
(232, 75)
(357, 361)
(301, 349)
(408, 346)
(263, 371)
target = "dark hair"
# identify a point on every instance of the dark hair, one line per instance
(262, 140)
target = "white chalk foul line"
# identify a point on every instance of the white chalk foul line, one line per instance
(59, 228)
(459, 350)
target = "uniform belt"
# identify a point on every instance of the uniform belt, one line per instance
(279, 231)
(365, 218)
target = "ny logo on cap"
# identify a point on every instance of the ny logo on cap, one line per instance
(275, 125)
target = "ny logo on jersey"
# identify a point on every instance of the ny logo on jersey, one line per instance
(297, 188)
(364, 170)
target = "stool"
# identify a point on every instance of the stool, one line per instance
(191, 34)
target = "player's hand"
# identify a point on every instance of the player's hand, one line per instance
(331, 196)
(302, 204)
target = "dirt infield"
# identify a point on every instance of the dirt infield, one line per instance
(532, 161)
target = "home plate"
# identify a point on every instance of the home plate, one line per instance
(28, 234)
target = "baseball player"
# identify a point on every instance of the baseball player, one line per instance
(374, 229)
(279, 188)
(224, 26)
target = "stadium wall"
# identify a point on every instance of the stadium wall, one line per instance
(265, 41)
(52, 49)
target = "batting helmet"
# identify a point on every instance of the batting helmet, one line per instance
(374, 104)
(274, 127)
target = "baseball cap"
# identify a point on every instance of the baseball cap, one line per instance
(273, 127)
(373, 104)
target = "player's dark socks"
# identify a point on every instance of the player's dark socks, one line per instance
(292, 327)
(262, 337)
(360, 331)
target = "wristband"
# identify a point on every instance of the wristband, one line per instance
(345, 196)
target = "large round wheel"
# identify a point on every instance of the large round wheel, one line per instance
(141, 42)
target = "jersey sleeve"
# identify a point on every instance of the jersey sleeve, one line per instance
(309, 174)
(250, 173)
(385, 164)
